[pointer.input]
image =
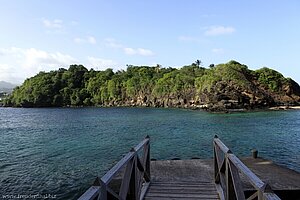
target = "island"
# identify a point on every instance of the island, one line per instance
(223, 87)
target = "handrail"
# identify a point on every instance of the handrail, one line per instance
(254, 180)
(227, 168)
(112, 172)
(135, 181)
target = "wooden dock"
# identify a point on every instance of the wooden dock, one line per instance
(182, 179)
(223, 177)
(283, 181)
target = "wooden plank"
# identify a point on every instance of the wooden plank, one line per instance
(113, 194)
(189, 183)
(236, 180)
(229, 189)
(220, 192)
(179, 198)
(195, 189)
(147, 162)
(103, 193)
(220, 161)
(182, 170)
(216, 167)
(140, 165)
(134, 182)
(253, 196)
(182, 190)
(221, 167)
(126, 179)
(144, 190)
(202, 187)
(113, 171)
(141, 144)
(91, 193)
(182, 186)
(222, 146)
(271, 196)
(285, 179)
(256, 182)
(172, 195)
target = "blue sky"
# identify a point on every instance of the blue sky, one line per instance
(45, 35)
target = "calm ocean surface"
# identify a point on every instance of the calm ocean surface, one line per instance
(61, 151)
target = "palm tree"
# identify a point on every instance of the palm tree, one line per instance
(198, 63)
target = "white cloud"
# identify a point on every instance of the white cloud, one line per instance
(36, 58)
(208, 15)
(144, 52)
(218, 30)
(10, 74)
(86, 40)
(129, 51)
(191, 39)
(218, 50)
(112, 43)
(18, 64)
(79, 40)
(74, 23)
(53, 24)
(138, 51)
(91, 40)
(186, 38)
(100, 63)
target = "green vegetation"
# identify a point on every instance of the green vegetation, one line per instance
(78, 86)
(271, 79)
(231, 72)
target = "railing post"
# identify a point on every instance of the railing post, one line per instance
(260, 195)
(127, 176)
(148, 161)
(133, 185)
(136, 173)
(230, 193)
(216, 168)
(103, 191)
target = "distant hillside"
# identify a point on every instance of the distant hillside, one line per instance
(217, 88)
(6, 87)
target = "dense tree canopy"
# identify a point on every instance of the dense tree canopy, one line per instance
(79, 86)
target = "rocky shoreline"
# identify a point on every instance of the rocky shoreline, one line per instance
(223, 106)
(230, 106)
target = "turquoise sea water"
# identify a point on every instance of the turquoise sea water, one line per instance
(61, 151)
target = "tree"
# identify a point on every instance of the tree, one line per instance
(198, 63)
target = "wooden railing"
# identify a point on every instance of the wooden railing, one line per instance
(135, 180)
(227, 170)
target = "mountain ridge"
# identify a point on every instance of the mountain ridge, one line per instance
(6, 86)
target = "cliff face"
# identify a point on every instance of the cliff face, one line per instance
(230, 86)
(220, 88)
(222, 97)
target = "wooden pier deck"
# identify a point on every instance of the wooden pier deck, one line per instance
(223, 177)
(283, 181)
(182, 179)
